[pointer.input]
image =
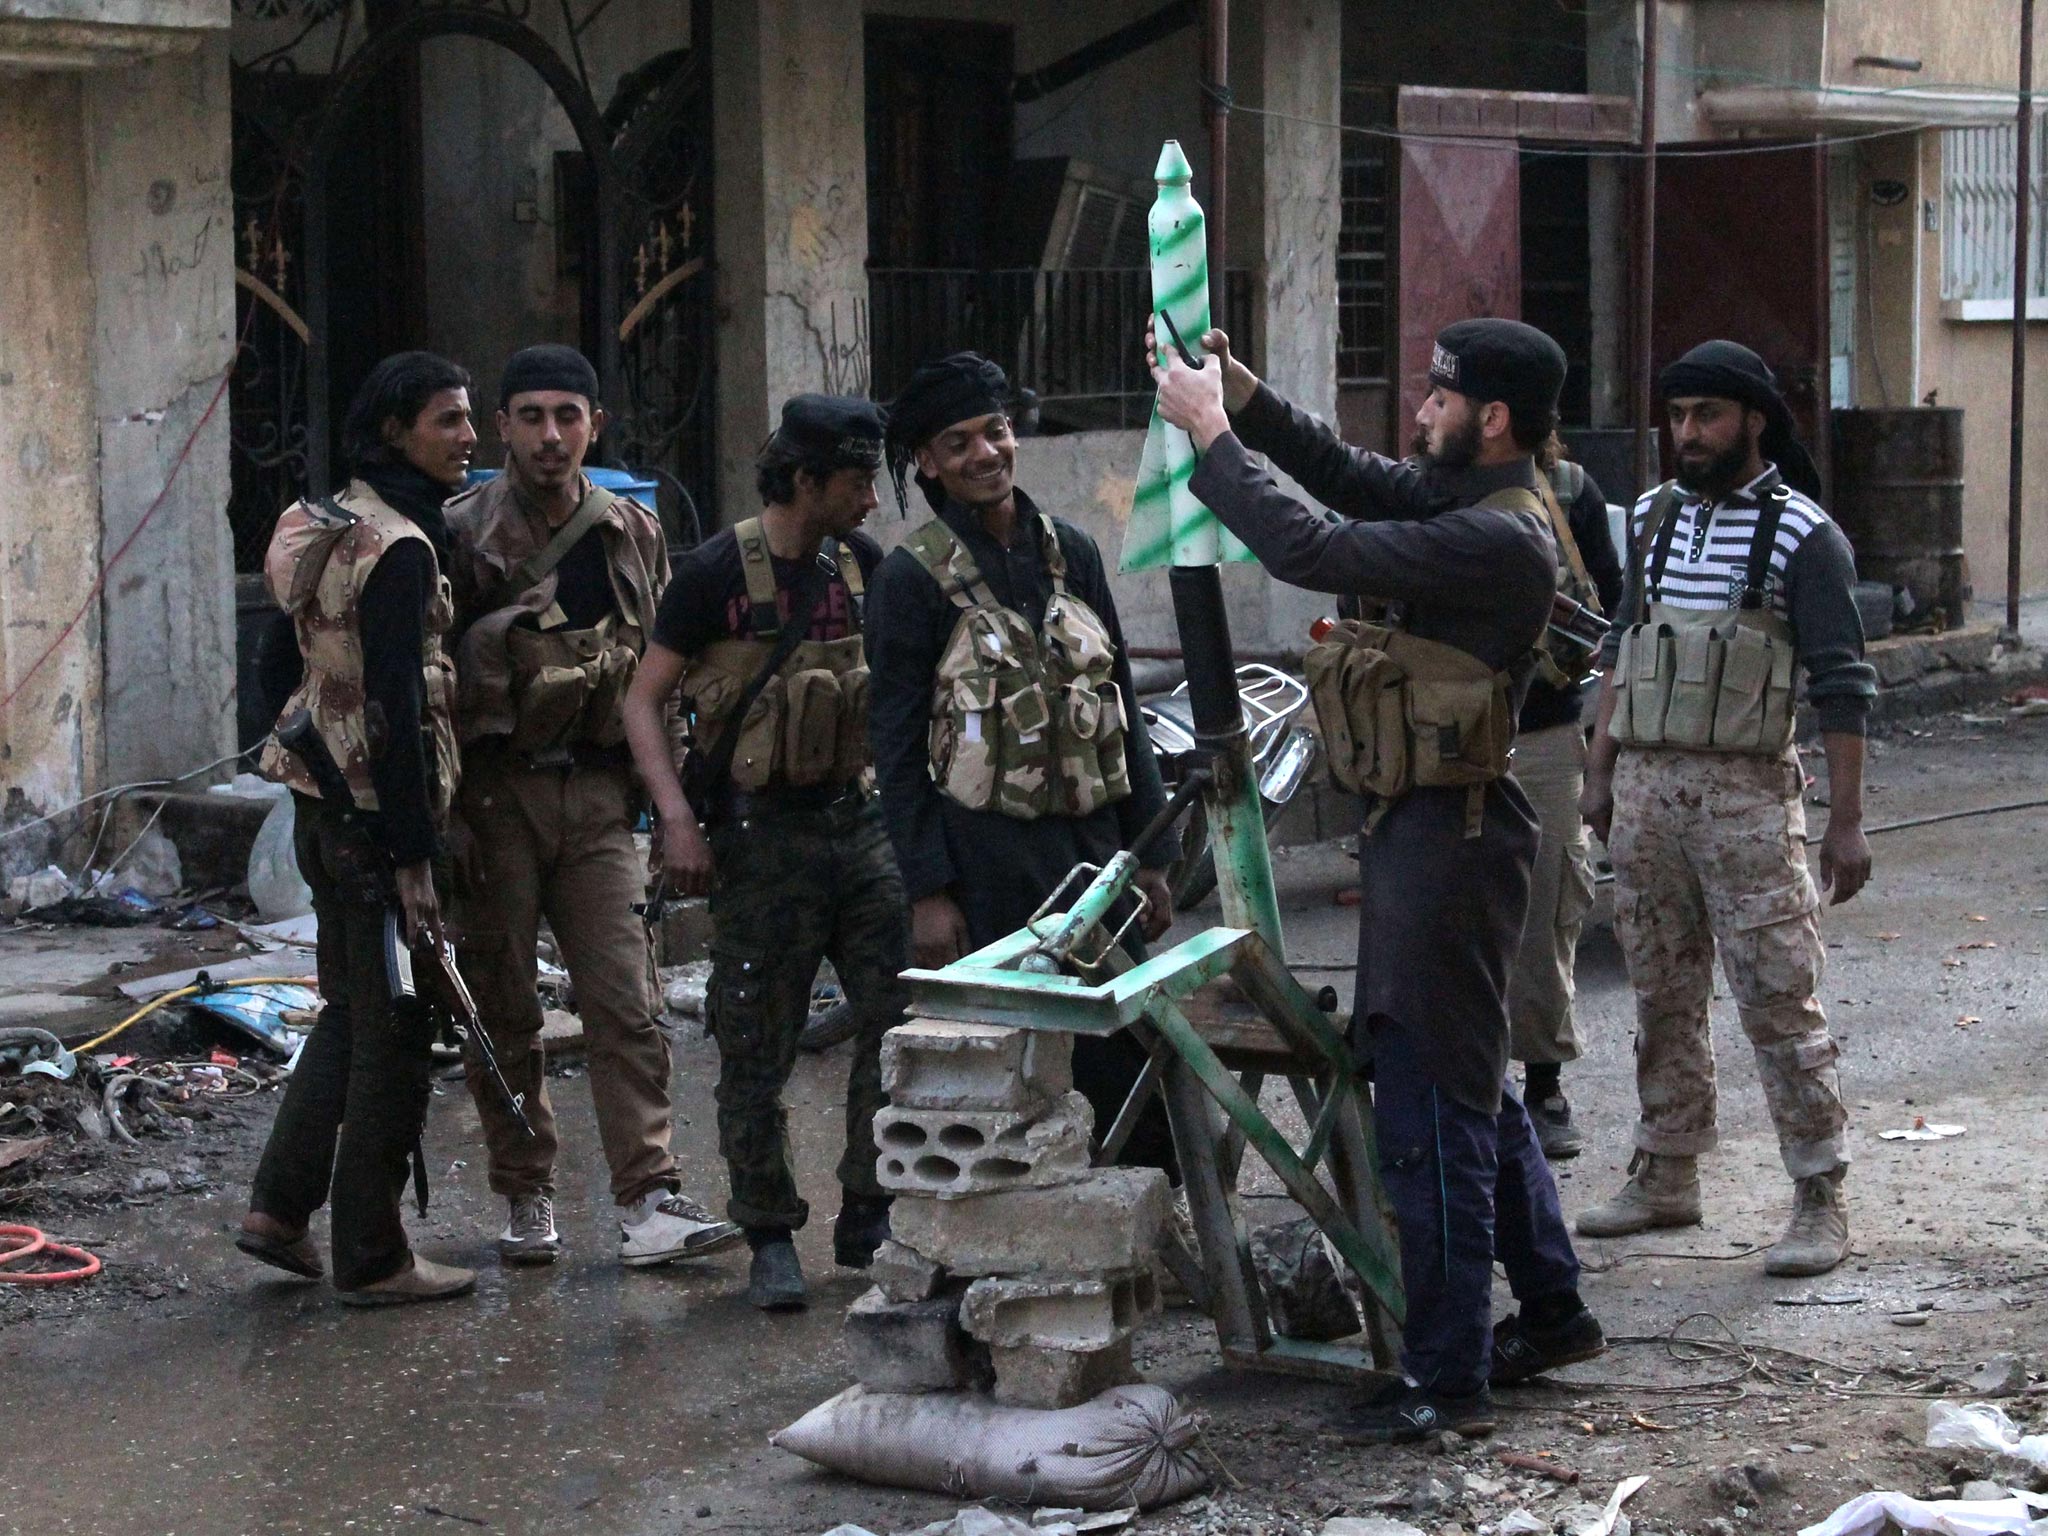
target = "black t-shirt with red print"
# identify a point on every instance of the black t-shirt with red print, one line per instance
(706, 600)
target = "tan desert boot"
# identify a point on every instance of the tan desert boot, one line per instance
(421, 1280)
(1661, 1191)
(1817, 1238)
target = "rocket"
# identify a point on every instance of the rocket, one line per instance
(1167, 525)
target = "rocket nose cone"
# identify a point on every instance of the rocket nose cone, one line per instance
(1173, 165)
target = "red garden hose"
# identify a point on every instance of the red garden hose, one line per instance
(33, 1244)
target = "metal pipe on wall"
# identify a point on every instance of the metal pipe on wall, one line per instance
(1646, 258)
(2021, 236)
(1216, 103)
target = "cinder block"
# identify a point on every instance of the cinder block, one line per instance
(1109, 1220)
(1080, 1314)
(952, 1152)
(931, 1064)
(1028, 1377)
(916, 1346)
(903, 1274)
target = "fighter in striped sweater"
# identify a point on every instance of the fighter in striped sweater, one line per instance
(1694, 784)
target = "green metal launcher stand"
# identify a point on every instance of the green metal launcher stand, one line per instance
(1220, 1014)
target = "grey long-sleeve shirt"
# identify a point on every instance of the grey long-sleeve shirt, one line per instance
(1812, 586)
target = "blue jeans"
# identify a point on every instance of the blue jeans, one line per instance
(1466, 1188)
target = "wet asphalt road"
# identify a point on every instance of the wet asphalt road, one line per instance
(586, 1397)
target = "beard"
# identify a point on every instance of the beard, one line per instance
(1460, 447)
(1719, 474)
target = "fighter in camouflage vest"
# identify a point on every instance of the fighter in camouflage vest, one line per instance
(761, 635)
(360, 576)
(1007, 739)
(556, 584)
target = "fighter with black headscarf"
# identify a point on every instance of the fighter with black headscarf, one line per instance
(1006, 733)
(1693, 782)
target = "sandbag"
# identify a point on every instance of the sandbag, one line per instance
(1304, 1282)
(1131, 1445)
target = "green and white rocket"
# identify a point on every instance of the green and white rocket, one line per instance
(1168, 526)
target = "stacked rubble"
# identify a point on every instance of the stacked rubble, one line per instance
(1014, 1263)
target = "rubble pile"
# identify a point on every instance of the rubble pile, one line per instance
(1014, 1265)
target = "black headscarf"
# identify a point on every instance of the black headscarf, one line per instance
(958, 388)
(1728, 370)
(404, 487)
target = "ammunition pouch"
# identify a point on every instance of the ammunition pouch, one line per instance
(807, 726)
(1023, 723)
(1398, 713)
(1706, 681)
(568, 685)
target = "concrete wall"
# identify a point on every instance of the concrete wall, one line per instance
(162, 254)
(1959, 42)
(49, 476)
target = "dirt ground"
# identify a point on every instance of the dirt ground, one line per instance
(186, 1390)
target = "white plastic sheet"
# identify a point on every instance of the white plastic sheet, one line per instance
(1867, 1514)
(1982, 1427)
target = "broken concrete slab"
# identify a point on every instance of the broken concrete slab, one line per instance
(903, 1274)
(954, 1152)
(916, 1346)
(1030, 1377)
(933, 1064)
(1111, 1219)
(1080, 1313)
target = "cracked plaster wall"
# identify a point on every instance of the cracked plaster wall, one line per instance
(161, 248)
(49, 482)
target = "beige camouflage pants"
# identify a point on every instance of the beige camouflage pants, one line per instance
(1708, 851)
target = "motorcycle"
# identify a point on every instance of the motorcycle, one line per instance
(1284, 754)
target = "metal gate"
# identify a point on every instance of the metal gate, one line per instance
(641, 186)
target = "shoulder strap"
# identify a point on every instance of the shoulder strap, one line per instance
(939, 551)
(536, 567)
(1567, 545)
(718, 761)
(764, 611)
(1659, 530)
(1055, 557)
(856, 586)
(1770, 511)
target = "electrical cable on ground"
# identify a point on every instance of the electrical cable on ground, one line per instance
(197, 988)
(37, 1245)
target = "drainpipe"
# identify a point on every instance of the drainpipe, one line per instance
(2024, 176)
(1646, 258)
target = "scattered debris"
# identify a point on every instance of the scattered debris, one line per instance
(1982, 1427)
(1922, 1130)
(1868, 1513)
(1822, 1299)
(1372, 1525)
(2000, 1376)
(1303, 1281)
(1541, 1465)
(30, 1245)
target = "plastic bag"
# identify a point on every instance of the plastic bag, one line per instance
(1867, 1514)
(1131, 1445)
(1982, 1427)
(274, 881)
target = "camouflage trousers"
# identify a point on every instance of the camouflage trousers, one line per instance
(1709, 852)
(794, 887)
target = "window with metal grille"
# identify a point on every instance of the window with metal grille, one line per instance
(1363, 317)
(1978, 168)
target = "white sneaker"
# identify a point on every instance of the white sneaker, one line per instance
(665, 1225)
(529, 1236)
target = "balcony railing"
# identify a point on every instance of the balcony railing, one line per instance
(1072, 338)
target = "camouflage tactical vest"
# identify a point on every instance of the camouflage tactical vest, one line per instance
(1024, 724)
(318, 563)
(809, 724)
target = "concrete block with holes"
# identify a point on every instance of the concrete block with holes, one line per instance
(1030, 1377)
(1109, 1219)
(916, 1346)
(932, 1064)
(1076, 1313)
(953, 1152)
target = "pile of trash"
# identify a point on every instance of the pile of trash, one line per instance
(993, 1355)
(1047, 1521)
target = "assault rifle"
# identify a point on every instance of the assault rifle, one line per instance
(444, 1000)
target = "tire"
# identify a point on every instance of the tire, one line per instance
(829, 1027)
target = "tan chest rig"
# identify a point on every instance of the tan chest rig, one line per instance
(1399, 712)
(1708, 680)
(1025, 724)
(809, 724)
(318, 563)
(568, 685)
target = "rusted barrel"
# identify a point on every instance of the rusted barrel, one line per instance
(1899, 498)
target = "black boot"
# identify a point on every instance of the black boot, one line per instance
(1402, 1412)
(775, 1280)
(1536, 1340)
(861, 1227)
